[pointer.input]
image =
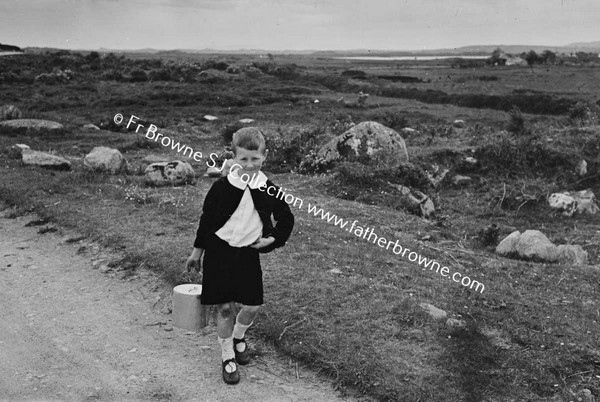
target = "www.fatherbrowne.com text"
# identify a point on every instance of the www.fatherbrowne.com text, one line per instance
(368, 234)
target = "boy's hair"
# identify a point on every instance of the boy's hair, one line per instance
(250, 138)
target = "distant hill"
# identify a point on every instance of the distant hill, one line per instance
(474, 50)
(9, 48)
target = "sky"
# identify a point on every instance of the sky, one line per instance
(296, 24)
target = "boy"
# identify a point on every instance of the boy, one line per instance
(234, 228)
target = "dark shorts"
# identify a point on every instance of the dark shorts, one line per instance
(231, 274)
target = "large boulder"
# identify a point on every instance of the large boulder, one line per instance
(569, 203)
(45, 160)
(508, 246)
(10, 112)
(31, 125)
(534, 245)
(104, 159)
(368, 142)
(169, 173)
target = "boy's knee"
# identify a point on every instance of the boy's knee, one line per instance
(251, 309)
(225, 310)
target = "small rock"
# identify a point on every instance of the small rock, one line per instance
(585, 395)
(581, 168)
(434, 312)
(408, 131)
(32, 125)
(459, 180)
(455, 323)
(104, 268)
(208, 117)
(246, 121)
(459, 123)
(573, 202)
(335, 271)
(91, 127)
(572, 254)
(105, 159)
(45, 160)
(169, 173)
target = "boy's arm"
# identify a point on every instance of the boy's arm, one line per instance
(283, 227)
(208, 208)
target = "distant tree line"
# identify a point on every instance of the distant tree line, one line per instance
(9, 48)
(499, 57)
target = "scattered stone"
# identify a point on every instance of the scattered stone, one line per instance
(91, 127)
(104, 268)
(45, 160)
(208, 117)
(459, 124)
(369, 141)
(169, 173)
(455, 323)
(16, 151)
(459, 180)
(581, 168)
(10, 112)
(104, 159)
(571, 254)
(408, 131)
(434, 312)
(569, 203)
(533, 244)
(335, 271)
(32, 125)
(417, 200)
(246, 121)
(437, 177)
(585, 395)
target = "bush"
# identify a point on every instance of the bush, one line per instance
(357, 74)
(584, 113)
(516, 123)
(138, 75)
(312, 163)
(287, 152)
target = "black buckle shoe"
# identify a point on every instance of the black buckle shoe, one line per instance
(234, 376)
(242, 358)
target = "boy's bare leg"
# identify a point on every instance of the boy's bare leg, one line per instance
(247, 314)
(225, 320)
(225, 337)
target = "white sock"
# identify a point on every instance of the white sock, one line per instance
(226, 348)
(239, 330)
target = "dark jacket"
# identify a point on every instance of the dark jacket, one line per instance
(223, 199)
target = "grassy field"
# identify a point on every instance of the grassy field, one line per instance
(533, 332)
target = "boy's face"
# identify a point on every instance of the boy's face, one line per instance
(250, 161)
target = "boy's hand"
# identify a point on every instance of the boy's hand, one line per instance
(263, 242)
(194, 261)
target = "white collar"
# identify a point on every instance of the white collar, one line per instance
(255, 181)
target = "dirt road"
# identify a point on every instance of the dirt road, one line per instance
(72, 332)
